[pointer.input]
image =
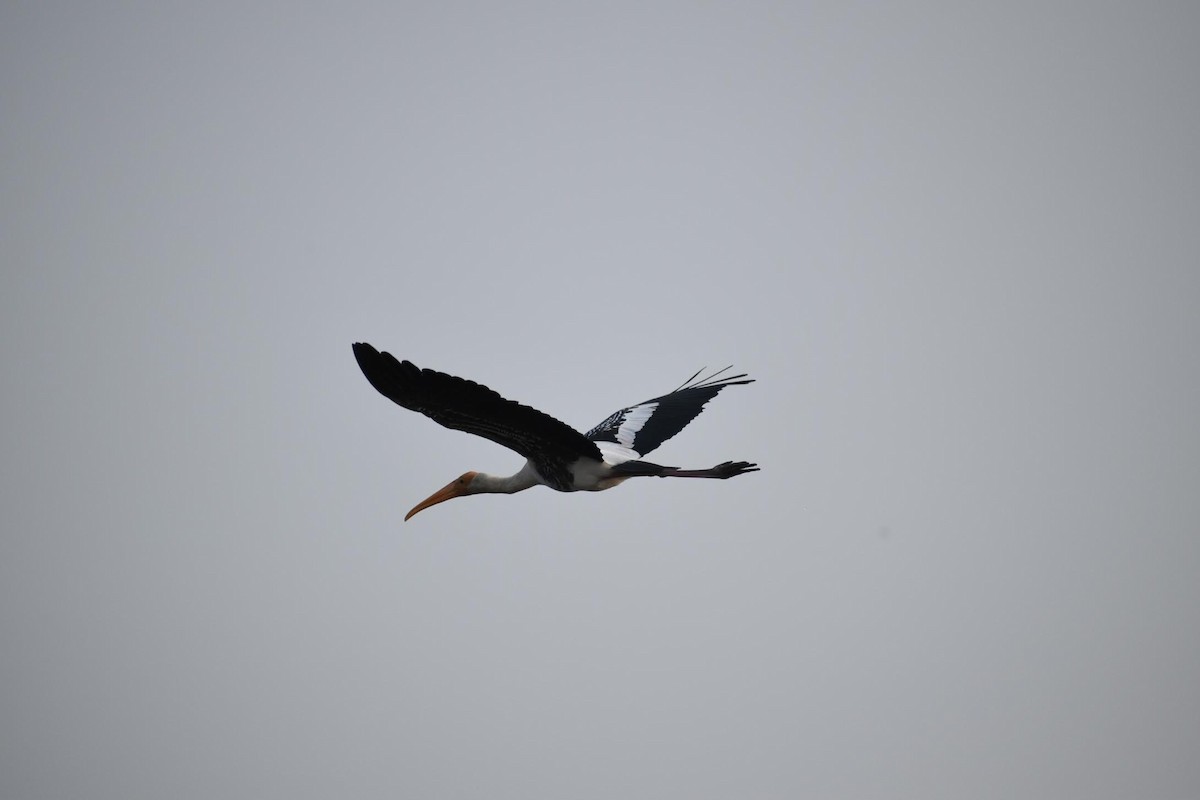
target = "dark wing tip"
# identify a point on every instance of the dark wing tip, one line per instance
(367, 356)
(392, 378)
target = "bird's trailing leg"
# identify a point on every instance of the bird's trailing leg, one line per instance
(725, 470)
(722, 471)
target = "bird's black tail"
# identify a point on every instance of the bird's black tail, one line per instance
(636, 469)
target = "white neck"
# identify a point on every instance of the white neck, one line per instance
(495, 484)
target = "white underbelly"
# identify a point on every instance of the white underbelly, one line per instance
(590, 475)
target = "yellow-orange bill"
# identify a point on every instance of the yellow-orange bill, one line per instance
(452, 490)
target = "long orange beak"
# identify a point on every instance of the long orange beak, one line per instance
(456, 488)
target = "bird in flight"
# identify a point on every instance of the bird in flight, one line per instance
(556, 454)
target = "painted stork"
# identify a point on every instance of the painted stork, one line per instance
(556, 455)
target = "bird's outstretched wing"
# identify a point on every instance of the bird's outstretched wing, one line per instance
(468, 406)
(635, 431)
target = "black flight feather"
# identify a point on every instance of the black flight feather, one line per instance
(465, 405)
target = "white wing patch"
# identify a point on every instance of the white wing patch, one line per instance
(622, 450)
(633, 422)
(614, 454)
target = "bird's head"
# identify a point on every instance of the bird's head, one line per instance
(459, 487)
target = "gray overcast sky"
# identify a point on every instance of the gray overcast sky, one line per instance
(955, 243)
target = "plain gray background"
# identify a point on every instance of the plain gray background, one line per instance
(955, 243)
